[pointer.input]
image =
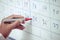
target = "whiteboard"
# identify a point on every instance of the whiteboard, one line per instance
(45, 14)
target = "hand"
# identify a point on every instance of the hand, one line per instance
(5, 29)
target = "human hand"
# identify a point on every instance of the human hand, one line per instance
(5, 29)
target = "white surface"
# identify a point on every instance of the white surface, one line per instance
(45, 14)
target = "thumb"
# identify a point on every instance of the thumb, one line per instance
(14, 24)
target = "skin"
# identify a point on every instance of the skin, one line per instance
(5, 29)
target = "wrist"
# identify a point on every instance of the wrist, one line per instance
(5, 33)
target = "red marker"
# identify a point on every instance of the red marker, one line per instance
(27, 19)
(12, 20)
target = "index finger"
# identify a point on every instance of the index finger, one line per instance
(15, 16)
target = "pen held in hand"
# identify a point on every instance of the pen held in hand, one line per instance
(13, 20)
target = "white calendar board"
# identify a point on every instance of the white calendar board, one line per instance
(45, 14)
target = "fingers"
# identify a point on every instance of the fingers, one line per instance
(14, 24)
(21, 27)
(15, 16)
(12, 16)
